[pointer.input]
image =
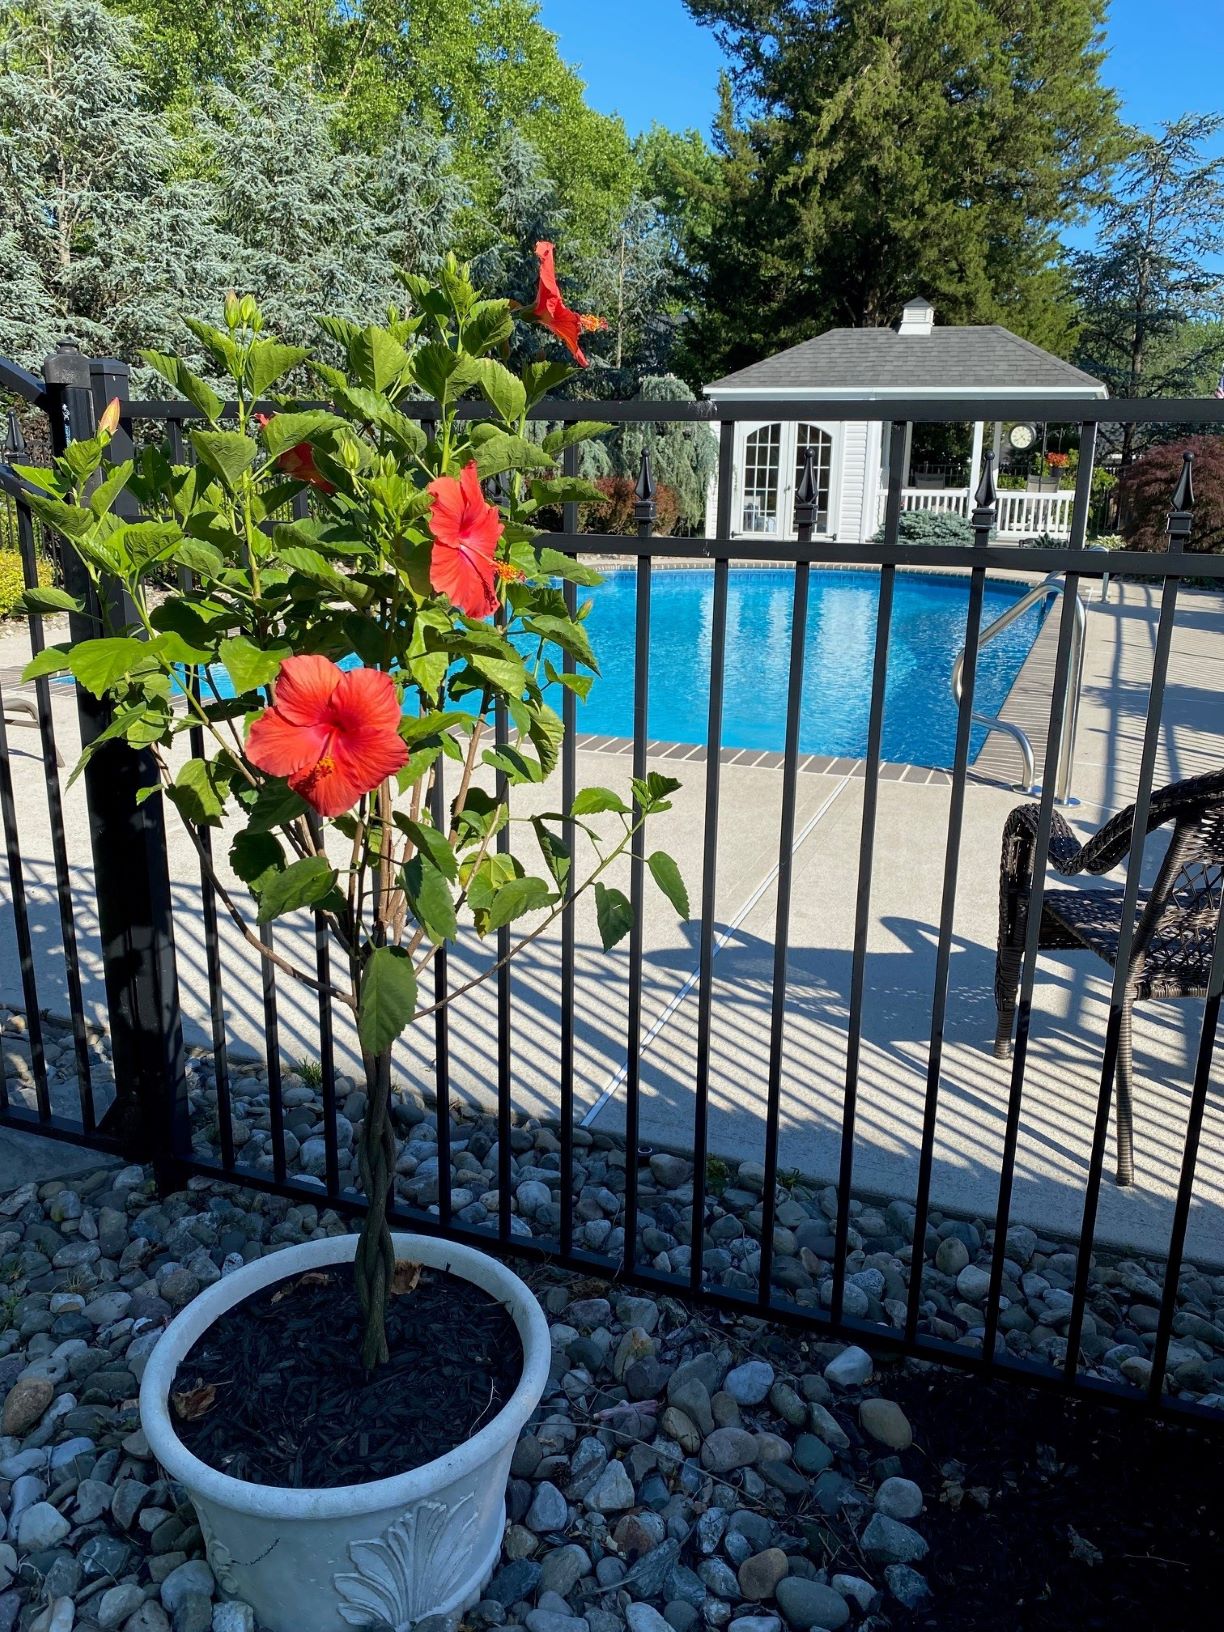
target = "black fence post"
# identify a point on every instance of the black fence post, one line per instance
(149, 1115)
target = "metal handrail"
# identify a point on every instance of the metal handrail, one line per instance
(1052, 585)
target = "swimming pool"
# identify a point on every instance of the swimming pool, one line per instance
(927, 631)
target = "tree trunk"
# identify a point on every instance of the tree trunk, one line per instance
(374, 1264)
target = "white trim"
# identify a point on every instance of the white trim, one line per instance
(884, 393)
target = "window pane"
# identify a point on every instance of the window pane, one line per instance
(821, 444)
(762, 451)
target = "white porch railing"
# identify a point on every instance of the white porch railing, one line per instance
(1020, 515)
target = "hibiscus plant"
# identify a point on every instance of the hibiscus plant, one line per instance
(375, 613)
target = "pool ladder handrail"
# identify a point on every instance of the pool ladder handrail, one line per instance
(1054, 584)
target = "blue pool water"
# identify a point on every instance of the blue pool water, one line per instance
(927, 631)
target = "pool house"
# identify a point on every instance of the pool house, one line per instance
(915, 357)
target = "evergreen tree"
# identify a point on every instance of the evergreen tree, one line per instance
(683, 455)
(478, 72)
(320, 228)
(1151, 291)
(872, 150)
(103, 244)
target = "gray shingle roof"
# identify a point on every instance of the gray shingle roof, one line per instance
(984, 357)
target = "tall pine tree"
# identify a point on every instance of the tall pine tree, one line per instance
(873, 150)
(102, 242)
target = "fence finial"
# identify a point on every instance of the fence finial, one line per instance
(1183, 496)
(807, 494)
(14, 441)
(644, 492)
(986, 492)
(1181, 515)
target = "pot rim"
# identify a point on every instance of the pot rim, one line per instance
(340, 1501)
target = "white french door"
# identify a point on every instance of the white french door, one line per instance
(770, 467)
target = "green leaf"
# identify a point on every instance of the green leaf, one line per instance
(434, 844)
(287, 430)
(51, 600)
(226, 453)
(199, 557)
(667, 876)
(502, 390)
(430, 900)
(267, 361)
(379, 360)
(517, 896)
(98, 664)
(300, 885)
(592, 801)
(547, 734)
(70, 519)
(571, 637)
(314, 566)
(503, 673)
(652, 792)
(579, 684)
(109, 489)
(514, 765)
(186, 384)
(502, 452)
(255, 857)
(580, 431)
(487, 325)
(556, 853)
(613, 914)
(387, 998)
(273, 805)
(51, 660)
(565, 490)
(541, 378)
(249, 665)
(200, 790)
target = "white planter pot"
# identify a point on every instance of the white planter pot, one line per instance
(384, 1553)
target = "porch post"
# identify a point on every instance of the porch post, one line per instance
(975, 460)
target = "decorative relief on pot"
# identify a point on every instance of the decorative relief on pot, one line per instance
(417, 1563)
(220, 1559)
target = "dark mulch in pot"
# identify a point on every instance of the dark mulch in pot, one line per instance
(274, 1392)
(1046, 1514)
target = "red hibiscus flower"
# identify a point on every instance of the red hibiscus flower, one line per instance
(465, 530)
(298, 461)
(333, 732)
(550, 309)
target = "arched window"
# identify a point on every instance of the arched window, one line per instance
(821, 444)
(770, 469)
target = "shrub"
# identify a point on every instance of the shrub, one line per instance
(931, 527)
(614, 512)
(1145, 494)
(12, 581)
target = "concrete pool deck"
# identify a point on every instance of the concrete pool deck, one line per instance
(1070, 998)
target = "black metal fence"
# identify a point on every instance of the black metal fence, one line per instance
(137, 934)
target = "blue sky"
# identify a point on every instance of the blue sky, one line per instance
(647, 60)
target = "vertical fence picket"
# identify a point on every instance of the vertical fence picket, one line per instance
(806, 500)
(1041, 853)
(983, 520)
(644, 516)
(1179, 535)
(862, 907)
(208, 896)
(709, 855)
(569, 789)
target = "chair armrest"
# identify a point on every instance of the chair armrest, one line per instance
(1019, 838)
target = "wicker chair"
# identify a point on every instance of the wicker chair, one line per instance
(1174, 934)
